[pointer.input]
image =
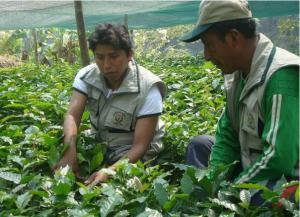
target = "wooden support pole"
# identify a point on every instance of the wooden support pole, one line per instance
(130, 31)
(36, 55)
(126, 20)
(85, 60)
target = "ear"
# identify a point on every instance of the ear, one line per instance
(233, 38)
(130, 55)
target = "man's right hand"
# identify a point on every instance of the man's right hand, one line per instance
(70, 159)
(70, 131)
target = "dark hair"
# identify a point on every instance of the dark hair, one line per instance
(245, 26)
(110, 34)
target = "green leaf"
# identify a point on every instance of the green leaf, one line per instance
(78, 213)
(210, 213)
(291, 183)
(229, 205)
(180, 166)
(80, 158)
(160, 193)
(138, 199)
(32, 130)
(251, 186)
(200, 174)
(6, 139)
(296, 213)
(96, 161)
(23, 200)
(53, 156)
(45, 213)
(227, 214)
(8, 118)
(88, 193)
(265, 214)
(62, 188)
(13, 177)
(187, 185)
(123, 213)
(245, 197)
(150, 213)
(51, 141)
(170, 204)
(266, 194)
(108, 190)
(64, 180)
(39, 193)
(18, 188)
(108, 205)
(160, 180)
(207, 185)
(215, 83)
(17, 160)
(15, 106)
(289, 206)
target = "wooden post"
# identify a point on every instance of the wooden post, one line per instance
(129, 31)
(126, 21)
(81, 33)
(36, 55)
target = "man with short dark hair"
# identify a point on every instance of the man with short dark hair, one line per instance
(124, 101)
(260, 124)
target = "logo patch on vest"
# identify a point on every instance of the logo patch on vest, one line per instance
(118, 117)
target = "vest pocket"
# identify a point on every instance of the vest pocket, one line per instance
(249, 126)
(249, 115)
(118, 119)
(250, 136)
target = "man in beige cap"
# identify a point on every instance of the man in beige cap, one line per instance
(260, 124)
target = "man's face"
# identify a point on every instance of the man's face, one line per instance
(111, 62)
(219, 52)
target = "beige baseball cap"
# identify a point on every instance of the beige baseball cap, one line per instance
(213, 11)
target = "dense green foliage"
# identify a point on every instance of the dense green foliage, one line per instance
(33, 102)
(194, 101)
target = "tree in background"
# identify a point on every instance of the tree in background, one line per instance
(62, 44)
(288, 33)
(52, 45)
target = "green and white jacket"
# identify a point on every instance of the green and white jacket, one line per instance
(260, 124)
(114, 119)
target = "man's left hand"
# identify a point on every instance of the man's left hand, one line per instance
(95, 178)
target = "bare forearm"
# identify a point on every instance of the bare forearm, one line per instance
(136, 153)
(70, 130)
(143, 135)
(69, 156)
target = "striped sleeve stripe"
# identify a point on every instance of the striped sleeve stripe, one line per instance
(271, 139)
(277, 119)
(273, 117)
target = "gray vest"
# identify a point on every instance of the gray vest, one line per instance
(113, 119)
(267, 60)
